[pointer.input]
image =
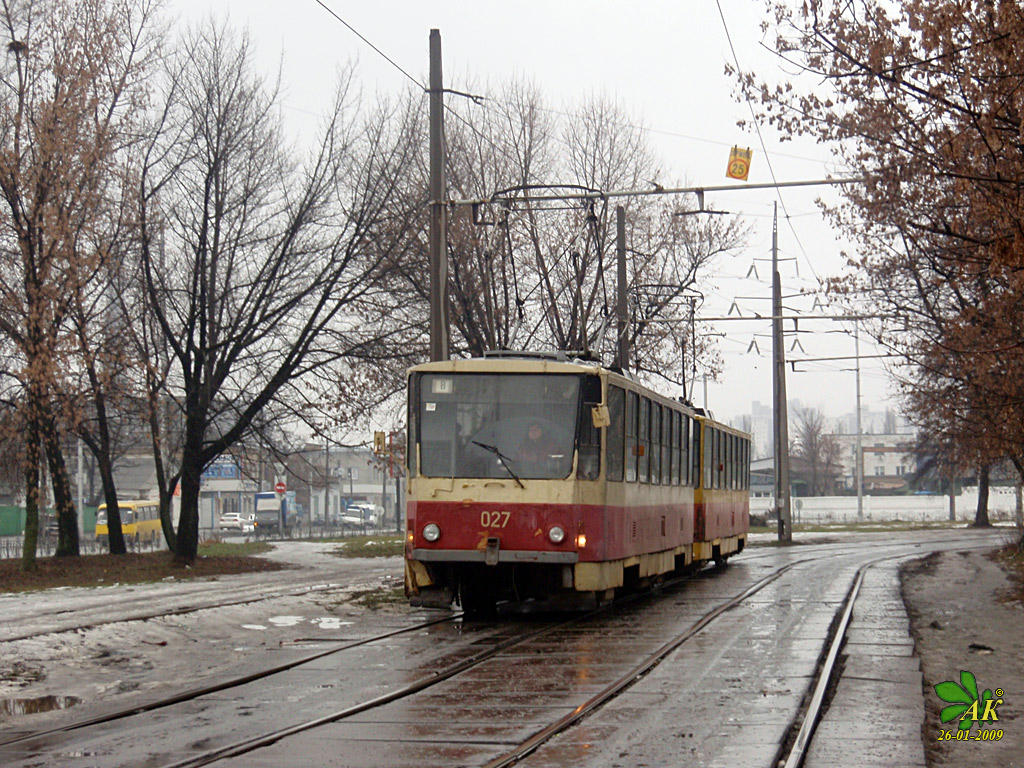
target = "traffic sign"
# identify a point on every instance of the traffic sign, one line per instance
(280, 488)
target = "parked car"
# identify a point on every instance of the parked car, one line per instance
(361, 516)
(233, 520)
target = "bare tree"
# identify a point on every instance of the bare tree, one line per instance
(817, 452)
(527, 272)
(261, 270)
(69, 78)
(925, 104)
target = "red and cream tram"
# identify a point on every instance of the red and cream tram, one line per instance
(536, 477)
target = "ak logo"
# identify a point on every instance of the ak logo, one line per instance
(965, 703)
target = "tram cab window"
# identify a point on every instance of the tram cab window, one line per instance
(484, 425)
(615, 434)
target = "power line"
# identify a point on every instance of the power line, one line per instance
(764, 148)
(381, 53)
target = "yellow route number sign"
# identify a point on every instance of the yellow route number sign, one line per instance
(739, 163)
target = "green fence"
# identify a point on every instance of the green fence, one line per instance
(12, 520)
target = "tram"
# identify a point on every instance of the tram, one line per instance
(538, 478)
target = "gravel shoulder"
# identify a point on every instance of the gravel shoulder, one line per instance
(966, 615)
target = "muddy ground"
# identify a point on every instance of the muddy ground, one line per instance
(966, 615)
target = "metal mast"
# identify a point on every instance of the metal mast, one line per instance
(781, 416)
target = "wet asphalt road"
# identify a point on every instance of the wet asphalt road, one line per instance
(727, 697)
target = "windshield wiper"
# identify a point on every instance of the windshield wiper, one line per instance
(501, 457)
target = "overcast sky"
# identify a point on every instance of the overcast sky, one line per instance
(664, 62)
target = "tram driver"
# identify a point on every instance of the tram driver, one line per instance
(537, 451)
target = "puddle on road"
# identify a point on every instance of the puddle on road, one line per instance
(285, 621)
(11, 707)
(253, 626)
(331, 622)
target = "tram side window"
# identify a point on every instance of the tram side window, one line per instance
(708, 456)
(741, 458)
(644, 449)
(668, 458)
(735, 463)
(632, 448)
(730, 467)
(736, 475)
(695, 455)
(719, 465)
(683, 436)
(674, 448)
(413, 422)
(719, 460)
(588, 466)
(746, 464)
(655, 444)
(615, 438)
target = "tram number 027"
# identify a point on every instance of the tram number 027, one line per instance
(494, 519)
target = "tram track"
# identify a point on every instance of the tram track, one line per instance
(234, 682)
(255, 743)
(793, 748)
(510, 756)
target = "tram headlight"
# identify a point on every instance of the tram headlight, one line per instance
(556, 534)
(431, 532)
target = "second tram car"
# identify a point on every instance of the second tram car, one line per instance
(533, 477)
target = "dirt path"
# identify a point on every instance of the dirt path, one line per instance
(961, 621)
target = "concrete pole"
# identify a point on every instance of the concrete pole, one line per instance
(81, 492)
(621, 306)
(327, 480)
(781, 416)
(860, 431)
(438, 231)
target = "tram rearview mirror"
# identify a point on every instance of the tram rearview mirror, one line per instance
(599, 415)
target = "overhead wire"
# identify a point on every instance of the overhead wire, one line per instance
(764, 147)
(381, 53)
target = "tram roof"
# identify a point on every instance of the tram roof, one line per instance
(513, 363)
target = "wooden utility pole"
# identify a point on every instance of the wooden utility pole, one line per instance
(438, 190)
(781, 415)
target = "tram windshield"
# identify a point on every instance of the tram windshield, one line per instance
(497, 425)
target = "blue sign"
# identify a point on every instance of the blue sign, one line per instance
(221, 470)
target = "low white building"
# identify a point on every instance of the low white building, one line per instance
(888, 461)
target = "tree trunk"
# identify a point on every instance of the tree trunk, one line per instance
(952, 495)
(63, 498)
(191, 477)
(31, 541)
(188, 514)
(115, 533)
(1019, 511)
(166, 518)
(981, 516)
